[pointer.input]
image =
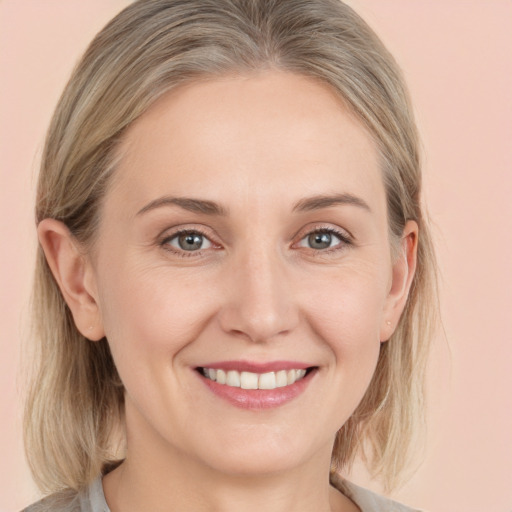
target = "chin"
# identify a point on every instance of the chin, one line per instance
(252, 455)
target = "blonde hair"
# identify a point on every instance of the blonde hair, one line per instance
(75, 402)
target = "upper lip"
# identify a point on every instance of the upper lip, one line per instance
(256, 367)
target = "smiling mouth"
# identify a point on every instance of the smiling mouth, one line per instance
(251, 380)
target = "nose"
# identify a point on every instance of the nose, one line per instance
(259, 303)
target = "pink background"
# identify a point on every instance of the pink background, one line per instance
(457, 57)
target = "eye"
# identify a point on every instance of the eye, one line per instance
(322, 239)
(189, 241)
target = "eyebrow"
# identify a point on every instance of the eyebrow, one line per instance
(187, 203)
(325, 201)
(212, 208)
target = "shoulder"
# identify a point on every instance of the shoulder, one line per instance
(367, 500)
(91, 499)
(63, 501)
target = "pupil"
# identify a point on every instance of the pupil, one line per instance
(190, 241)
(320, 240)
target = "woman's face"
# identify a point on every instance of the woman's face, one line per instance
(245, 231)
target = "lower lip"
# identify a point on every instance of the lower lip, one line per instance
(259, 398)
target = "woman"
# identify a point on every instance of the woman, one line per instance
(235, 281)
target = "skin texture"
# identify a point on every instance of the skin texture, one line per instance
(256, 290)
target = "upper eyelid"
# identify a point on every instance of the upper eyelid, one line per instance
(178, 230)
(344, 233)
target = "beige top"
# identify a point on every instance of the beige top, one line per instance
(366, 500)
(92, 499)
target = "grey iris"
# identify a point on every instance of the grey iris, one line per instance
(319, 240)
(190, 241)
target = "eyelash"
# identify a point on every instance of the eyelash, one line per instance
(164, 243)
(344, 238)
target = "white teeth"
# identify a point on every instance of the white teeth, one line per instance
(300, 374)
(250, 380)
(233, 379)
(221, 376)
(281, 379)
(267, 381)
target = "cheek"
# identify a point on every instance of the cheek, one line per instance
(347, 305)
(346, 313)
(152, 315)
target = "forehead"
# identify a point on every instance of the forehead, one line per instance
(267, 136)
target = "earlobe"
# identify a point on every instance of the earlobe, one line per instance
(404, 268)
(73, 274)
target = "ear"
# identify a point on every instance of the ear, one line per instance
(74, 275)
(403, 271)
